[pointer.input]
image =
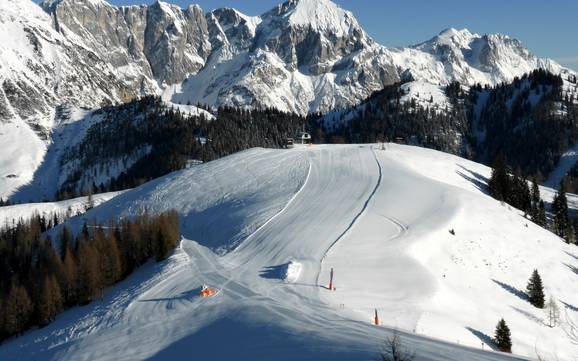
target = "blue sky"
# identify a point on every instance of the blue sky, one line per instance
(547, 28)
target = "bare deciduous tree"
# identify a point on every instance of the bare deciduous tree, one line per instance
(394, 350)
(571, 328)
(552, 312)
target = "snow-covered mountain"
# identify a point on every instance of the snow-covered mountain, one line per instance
(379, 218)
(459, 55)
(301, 56)
(40, 69)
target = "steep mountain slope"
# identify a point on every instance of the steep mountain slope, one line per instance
(459, 55)
(302, 56)
(40, 69)
(379, 218)
(160, 42)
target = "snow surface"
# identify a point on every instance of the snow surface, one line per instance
(565, 164)
(322, 15)
(381, 219)
(190, 110)
(64, 209)
(426, 95)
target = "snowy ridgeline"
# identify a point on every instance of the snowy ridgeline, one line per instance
(281, 220)
(63, 209)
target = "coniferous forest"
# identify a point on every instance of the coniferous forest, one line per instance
(39, 280)
(172, 139)
(529, 121)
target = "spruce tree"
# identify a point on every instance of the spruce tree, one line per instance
(561, 221)
(535, 290)
(535, 202)
(535, 194)
(502, 337)
(499, 184)
(542, 220)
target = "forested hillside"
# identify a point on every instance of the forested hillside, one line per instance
(532, 121)
(147, 139)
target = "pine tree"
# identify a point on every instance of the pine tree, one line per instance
(535, 202)
(502, 337)
(542, 220)
(575, 228)
(535, 192)
(535, 290)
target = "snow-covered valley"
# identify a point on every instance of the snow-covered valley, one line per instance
(266, 227)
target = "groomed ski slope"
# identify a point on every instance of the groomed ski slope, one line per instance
(279, 220)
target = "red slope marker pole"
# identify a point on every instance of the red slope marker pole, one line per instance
(331, 280)
(376, 319)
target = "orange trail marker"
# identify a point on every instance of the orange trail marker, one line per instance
(208, 292)
(331, 280)
(376, 319)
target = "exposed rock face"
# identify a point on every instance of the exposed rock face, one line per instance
(459, 55)
(160, 41)
(302, 56)
(41, 68)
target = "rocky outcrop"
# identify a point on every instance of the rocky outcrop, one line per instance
(161, 41)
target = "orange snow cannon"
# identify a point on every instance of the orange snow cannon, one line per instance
(208, 292)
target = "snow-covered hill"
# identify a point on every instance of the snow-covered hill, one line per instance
(10, 215)
(379, 218)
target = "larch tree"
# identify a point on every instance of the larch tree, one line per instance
(50, 302)
(17, 309)
(552, 312)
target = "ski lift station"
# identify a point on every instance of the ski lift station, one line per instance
(302, 138)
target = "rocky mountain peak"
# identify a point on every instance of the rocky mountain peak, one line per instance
(320, 15)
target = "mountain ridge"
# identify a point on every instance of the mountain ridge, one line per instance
(301, 56)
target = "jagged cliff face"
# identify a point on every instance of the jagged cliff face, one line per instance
(302, 56)
(459, 55)
(161, 41)
(40, 67)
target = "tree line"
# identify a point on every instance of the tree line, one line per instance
(38, 281)
(167, 140)
(512, 188)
